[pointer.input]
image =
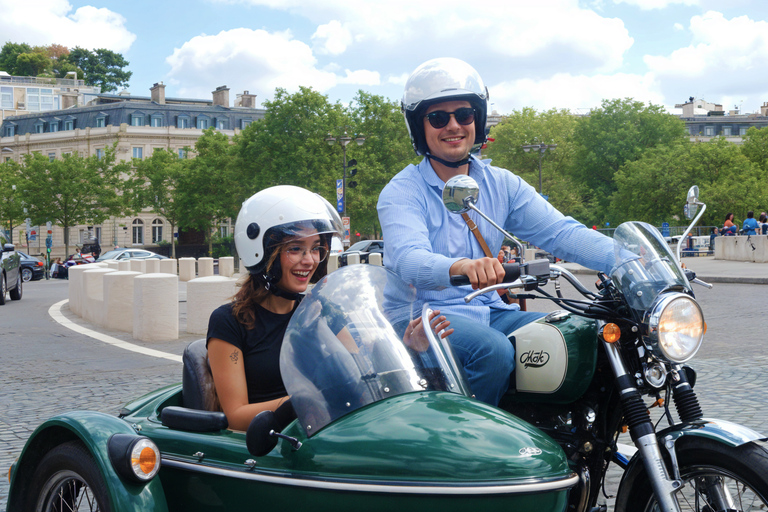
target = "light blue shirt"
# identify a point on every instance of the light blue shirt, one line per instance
(750, 226)
(422, 239)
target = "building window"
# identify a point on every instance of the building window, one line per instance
(224, 230)
(222, 124)
(138, 232)
(33, 99)
(69, 124)
(157, 231)
(182, 153)
(51, 157)
(10, 130)
(46, 99)
(39, 127)
(183, 121)
(54, 126)
(97, 233)
(137, 120)
(709, 131)
(726, 131)
(742, 131)
(157, 121)
(203, 122)
(6, 97)
(99, 153)
(245, 123)
(101, 121)
(138, 152)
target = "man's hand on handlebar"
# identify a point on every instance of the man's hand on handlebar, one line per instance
(481, 272)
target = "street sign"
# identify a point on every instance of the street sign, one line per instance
(345, 223)
(665, 229)
(48, 241)
(340, 196)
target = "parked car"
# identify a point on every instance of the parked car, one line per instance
(10, 271)
(363, 248)
(131, 254)
(32, 268)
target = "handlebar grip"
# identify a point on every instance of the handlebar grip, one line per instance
(511, 273)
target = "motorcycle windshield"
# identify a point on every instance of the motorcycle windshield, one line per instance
(645, 265)
(346, 347)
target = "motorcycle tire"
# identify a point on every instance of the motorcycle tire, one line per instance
(708, 468)
(68, 478)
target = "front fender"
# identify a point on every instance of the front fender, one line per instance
(93, 429)
(725, 432)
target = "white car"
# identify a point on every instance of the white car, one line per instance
(130, 254)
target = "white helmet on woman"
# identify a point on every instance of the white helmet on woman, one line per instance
(269, 217)
(439, 80)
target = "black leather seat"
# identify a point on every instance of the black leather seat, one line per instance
(198, 390)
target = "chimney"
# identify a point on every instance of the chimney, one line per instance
(68, 99)
(158, 93)
(246, 100)
(764, 109)
(221, 96)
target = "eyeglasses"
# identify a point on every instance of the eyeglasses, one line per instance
(440, 118)
(296, 253)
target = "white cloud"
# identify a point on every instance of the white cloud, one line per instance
(647, 5)
(678, 26)
(255, 59)
(332, 38)
(578, 93)
(45, 22)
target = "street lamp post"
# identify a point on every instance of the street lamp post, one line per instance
(541, 149)
(343, 141)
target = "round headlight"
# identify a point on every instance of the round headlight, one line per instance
(135, 458)
(675, 327)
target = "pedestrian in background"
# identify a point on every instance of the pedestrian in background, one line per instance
(729, 228)
(750, 224)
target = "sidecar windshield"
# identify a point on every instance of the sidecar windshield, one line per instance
(347, 347)
(645, 265)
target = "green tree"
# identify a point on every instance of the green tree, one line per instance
(101, 67)
(74, 190)
(32, 64)
(386, 151)
(11, 205)
(155, 185)
(10, 53)
(209, 188)
(288, 146)
(618, 132)
(527, 126)
(654, 187)
(755, 147)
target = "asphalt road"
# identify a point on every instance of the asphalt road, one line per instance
(48, 369)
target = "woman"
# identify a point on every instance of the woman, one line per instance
(729, 228)
(763, 223)
(283, 236)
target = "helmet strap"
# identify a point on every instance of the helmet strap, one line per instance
(453, 165)
(279, 292)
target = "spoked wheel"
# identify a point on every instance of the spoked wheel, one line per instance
(717, 478)
(26, 274)
(68, 480)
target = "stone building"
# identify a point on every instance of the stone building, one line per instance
(706, 120)
(139, 125)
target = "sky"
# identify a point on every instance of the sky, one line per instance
(542, 54)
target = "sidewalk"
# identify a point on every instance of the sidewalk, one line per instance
(709, 270)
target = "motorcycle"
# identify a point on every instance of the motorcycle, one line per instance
(584, 375)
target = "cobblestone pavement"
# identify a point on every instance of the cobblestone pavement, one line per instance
(47, 369)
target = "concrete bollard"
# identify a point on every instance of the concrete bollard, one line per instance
(186, 269)
(204, 267)
(205, 294)
(118, 300)
(374, 258)
(124, 265)
(138, 266)
(333, 262)
(93, 294)
(156, 307)
(168, 266)
(353, 259)
(112, 264)
(75, 287)
(227, 266)
(152, 266)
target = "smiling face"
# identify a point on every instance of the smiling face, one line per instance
(298, 260)
(454, 141)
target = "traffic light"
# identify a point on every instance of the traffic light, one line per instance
(351, 172)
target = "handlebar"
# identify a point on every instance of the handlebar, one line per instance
(512, 272)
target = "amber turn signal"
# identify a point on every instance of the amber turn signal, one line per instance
(610, 333)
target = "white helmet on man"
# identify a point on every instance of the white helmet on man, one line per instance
(274, 214)
(439, 80)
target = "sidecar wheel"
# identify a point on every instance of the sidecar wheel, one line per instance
(717, 478)
(68, 479)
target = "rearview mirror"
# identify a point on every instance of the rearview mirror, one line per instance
(692, 202)
(459, 192)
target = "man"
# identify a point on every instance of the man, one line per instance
(445, 105)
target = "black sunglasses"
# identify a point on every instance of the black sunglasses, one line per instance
(440, 118)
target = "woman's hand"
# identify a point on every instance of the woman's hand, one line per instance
(416, 338)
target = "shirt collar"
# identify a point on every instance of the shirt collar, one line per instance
(477, 169)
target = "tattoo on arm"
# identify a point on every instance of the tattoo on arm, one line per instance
(234, 356)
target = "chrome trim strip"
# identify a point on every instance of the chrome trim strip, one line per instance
(378, 487)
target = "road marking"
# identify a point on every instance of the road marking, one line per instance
(57, 315)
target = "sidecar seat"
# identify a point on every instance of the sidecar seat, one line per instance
(198, 390)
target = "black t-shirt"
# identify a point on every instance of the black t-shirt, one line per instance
(260, 347)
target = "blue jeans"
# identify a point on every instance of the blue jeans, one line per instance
(486, 353)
